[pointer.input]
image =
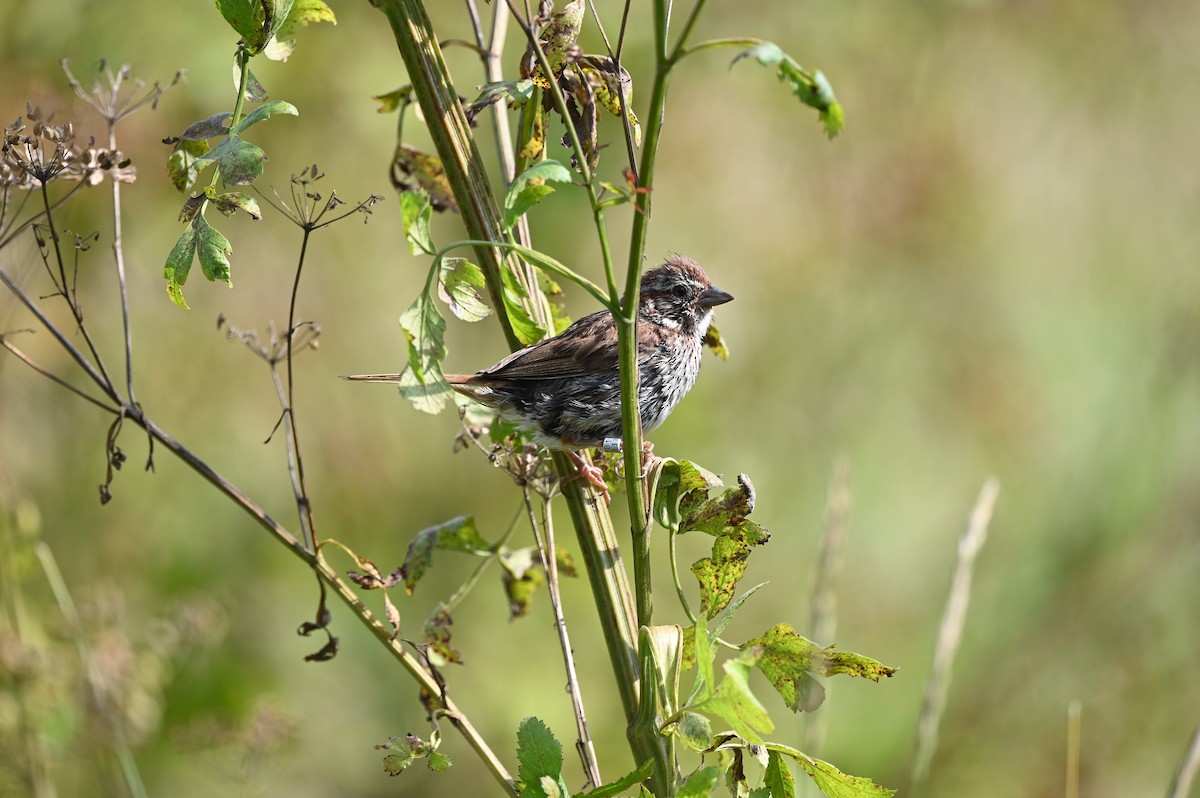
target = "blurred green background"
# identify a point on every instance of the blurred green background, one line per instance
(993, 271)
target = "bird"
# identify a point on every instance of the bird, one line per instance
(566, 390)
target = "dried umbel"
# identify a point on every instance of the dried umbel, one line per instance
(36, 151)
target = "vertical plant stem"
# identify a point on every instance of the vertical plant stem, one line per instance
(954, 617)
(601, 554)
(295, 461)
(631, 421)
(119, 255)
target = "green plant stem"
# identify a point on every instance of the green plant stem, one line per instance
(610, 584)
(688, 25)
(631, 421)
(544, 261)
(682, 52)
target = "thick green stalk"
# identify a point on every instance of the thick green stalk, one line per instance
(464, 169)
(627, 327)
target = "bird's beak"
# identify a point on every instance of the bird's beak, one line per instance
(714, 296)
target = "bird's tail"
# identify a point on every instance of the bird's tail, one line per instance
(466, 384)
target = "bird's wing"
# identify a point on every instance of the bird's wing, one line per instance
(589, 346)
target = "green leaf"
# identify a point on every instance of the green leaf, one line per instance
(209, 128)
(561, 34)
(238, 161)
(539, 755)
(778, 779)
(736, 536)
(232, 202)
(518, 93)
(391, 100)
(264, 111)
(457, 534)
(608, 82)
(714, 341)
(305, 12)
(255, 91)
(462, 286)
(179, 262)
(527, 330)
(415, 214)
(409, 749)
(529, 187)
(181, 164)
(256, 21)
(437, 634)
(726, 515)
(681, 485)
(413, 169)
(736, 704)
(422, 382)
(521, 579)
(700, 784)
(214, 251)
(719, 574)
(694, 731)
(812, 88)
(789, 662)
(829, 779)
(626, 782)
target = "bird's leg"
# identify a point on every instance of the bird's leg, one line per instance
(591, 474)
(648, 458)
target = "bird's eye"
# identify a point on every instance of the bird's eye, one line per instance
(679, 291)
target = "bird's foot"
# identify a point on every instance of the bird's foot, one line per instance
(591, 474)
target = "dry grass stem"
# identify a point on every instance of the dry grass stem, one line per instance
(950, 634)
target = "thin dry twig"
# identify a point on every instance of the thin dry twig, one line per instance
(950, 634)
(1181, 785)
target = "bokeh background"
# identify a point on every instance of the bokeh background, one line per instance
(992, 272)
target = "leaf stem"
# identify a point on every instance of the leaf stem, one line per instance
(542, 261)
(682, 52)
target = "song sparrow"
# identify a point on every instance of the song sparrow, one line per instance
(566, 389)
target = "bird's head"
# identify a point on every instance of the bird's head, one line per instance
(679, 294)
